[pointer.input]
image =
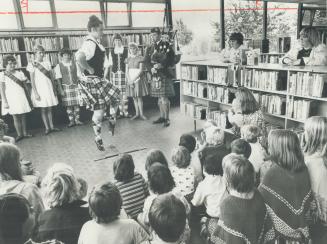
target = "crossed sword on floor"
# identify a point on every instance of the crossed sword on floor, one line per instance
(119, 153)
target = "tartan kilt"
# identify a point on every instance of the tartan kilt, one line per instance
(118, 79)
(97, 93)
(71, 96)
(166, 89)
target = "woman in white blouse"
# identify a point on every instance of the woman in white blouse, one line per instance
(232, 54)
(98, 94)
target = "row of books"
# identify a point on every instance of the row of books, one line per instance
(75, 42)
(195, 89)
(299, 108)
(219, 117)
(49, 43)
(194, 110)
(8, 45)
(52, 58)
(264, 80)
(306, 84)
(271, 104)
(220, 94)
(192, 72)
(17, 57)
(218, 75)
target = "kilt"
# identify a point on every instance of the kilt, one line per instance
(118, 79)
(166, 87)
(71, 96)
(98, 93)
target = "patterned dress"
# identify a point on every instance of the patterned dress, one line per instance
(139, 88)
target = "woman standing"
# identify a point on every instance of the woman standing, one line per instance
(98, 94)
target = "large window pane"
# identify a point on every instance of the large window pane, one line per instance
(75, 14)
(147, 14)
(117, 14)
(39, 14)
(8, 21)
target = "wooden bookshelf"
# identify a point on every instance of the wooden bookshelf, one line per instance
(290, 101)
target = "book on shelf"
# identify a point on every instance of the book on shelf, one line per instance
(271, 104)
(306, 84)
(52, 58)
(220, 118)
(220, 94)
(48, 43)
(299, 108)
(192, 72)
(195, 89)
(218, 75)
(17, 57)
(9, 45)
(75, 42)
(194, 110)
(264, 80)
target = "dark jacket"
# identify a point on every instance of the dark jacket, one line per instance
(63, 223)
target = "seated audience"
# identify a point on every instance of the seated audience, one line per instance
(168, 219)
(315, 155)
(189, 141)
(182, 171)
(244, 217)
(309, 51)
(160, 181)
(258, 155)
(17, 220)
(66, 216)
(245, 111)
(155, 156)
(11, 179)
(286, 187)
(214, 145)
(106, 227)
(241, 147)
(131, 185)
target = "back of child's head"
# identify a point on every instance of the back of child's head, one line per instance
(124, 168)
(167, 217)
(155, 156)
(239, 174)
(241, 147)
(285, 150)
(250, 133)
(105, 203)
(83, 187)
(160, 179)
(10, 162)
(188, 141)
(181, 157)
(315, 136)
(214, 135)
(212, 166)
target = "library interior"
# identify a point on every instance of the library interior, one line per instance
(90, 86)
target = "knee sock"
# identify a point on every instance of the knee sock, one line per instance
(70, 113)
(76, 113)
(97, 123)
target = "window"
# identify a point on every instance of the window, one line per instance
(75, 14)
(117, 14)
(148, 14)
(39, 14)
(8, 21)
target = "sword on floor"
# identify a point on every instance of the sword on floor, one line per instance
(119, 153)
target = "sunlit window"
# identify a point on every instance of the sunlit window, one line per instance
(117, 14)
(7, 21)
(39, 14)
(148, 14)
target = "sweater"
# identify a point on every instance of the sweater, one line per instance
(244, 221)
(63, 223)
(288, 197)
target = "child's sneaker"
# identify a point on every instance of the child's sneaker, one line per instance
(99, 144)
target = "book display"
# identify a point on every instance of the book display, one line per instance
(287, 94)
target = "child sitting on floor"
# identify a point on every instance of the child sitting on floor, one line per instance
(167, 218)
(155, 156)
(244, 217)
(258, 155)
(182, 171)
(106, 227)
(30, 174)
(131, 185)
(3, 131)
(238, 147)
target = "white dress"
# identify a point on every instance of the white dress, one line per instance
(43, 86)
(17, 101)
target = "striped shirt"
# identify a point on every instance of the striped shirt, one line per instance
(133, 193)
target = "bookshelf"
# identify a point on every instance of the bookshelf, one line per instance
(287, 94)
(20, 44)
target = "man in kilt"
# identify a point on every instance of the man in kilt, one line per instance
(66, 75)
(159, 58)
(98, 94)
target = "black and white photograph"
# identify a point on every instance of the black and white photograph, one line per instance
(163, 121)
